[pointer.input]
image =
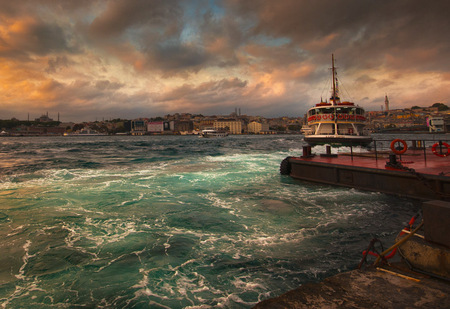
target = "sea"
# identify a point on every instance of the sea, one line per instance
(174, 222)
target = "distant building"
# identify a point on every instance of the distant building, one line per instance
(232, 126)
(258, 127)
(34, 130)
(184, 126)
(138, 127)
(203, 124)
(436, 124)
(169, 126)
(155, 127)
(44, 118)
(386, 103)
(161, 126)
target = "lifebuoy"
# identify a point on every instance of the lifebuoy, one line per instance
(346, 117)
(400, 151)
(340, 116)
(440, 153)
(318, 117)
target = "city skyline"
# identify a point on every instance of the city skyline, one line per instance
(126, 59)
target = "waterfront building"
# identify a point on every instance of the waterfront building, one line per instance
(232, 126)
(138, 127)
(161, 127)
(203, 124)
(258, 127)
(169, 126)
(184, 126)
(155, 127)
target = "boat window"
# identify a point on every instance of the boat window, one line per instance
(312, 112)
(342, 110)
(328, 110)
(360, 111)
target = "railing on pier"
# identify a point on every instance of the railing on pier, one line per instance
(382, 145)
(439, 147)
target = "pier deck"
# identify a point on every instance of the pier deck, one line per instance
(370, 288)
(420, 280)
(419, 176)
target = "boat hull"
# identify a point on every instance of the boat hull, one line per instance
(214, 134)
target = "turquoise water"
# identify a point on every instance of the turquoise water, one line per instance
(173, 222)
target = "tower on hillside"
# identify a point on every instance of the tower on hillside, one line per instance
(386, 103)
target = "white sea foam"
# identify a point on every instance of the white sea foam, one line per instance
(16, 230)
(141, 196)
(212, 226)
(25, 258)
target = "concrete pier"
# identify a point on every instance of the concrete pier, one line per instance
(371, 288)
(421, 280)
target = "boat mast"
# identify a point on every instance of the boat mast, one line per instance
(333, 69)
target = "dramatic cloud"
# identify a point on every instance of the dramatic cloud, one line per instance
(131, 58)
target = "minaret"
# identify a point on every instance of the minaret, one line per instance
(386, 103)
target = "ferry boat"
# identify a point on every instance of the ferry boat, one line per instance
(85, 132)
(208, 133)
(336, 123)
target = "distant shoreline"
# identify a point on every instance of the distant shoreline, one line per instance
(157, 134)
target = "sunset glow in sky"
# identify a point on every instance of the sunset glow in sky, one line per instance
(90, 59)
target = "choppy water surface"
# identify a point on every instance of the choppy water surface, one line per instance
(173, 222)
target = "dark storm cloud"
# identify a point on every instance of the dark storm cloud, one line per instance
(57, 63)
(360, 30)
(175, 58)
(209, 92)
(154, 28)
(33, 36)
(222, 37)
(120, 16)
(213, 45)
(45, 38)
(107, 85)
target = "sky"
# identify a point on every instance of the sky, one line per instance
(91, 60)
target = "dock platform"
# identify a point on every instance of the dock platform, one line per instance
(369, 288)
(420, 280)
(416, 173)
